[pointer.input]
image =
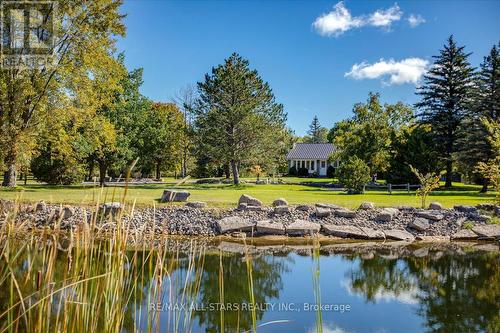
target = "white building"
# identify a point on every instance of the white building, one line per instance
(313, 156)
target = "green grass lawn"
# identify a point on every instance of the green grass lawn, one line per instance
(227, 195)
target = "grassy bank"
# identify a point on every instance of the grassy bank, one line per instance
(227, 195)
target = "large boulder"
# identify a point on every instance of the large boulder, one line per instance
(328, 206)
(387, 214)
(250, 201)
(345, 213)
(401, 235)
(40, 206)
(419, 224)
(280, 202)
(302, 228)
(373, 233)
(465, 209)
(322, 212)
(267, 227)
(430, 215)
(367, 206)
(234, 223)
(464, 234)
(302, 208)
(487, 230)
(343, 231)
(196, 204)
(174, 196)
(111, 208)
(435, 206)
(281, 209)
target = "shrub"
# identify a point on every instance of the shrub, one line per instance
(428, 181)
(330, 172)
(292, 171)
(47, 167)
(354, 174)
(303, 172)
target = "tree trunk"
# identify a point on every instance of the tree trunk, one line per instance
(9, 176)
(236, 175)
(449, 170)
(227, 170)
(484, 189)
(91, 170)
(102, 172)
(158, 173)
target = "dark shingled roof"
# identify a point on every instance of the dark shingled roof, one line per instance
(320, 151)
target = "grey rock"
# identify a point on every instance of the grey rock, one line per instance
(302, 208)
(174, 196)
(255, 208)
(486, 206)
(465, 209)
(344, 231)
(322, 212)
(419, 223)
(435, 206)
(402, 235)
(387, 214)
(242, 206)
(329, 206)
(487, 230)
(367, 206)
(464, 234)
(67, 212)
(269, 228)
(234, 223)
(460, 221)
(249, 200)
(430, 215)
(41, 206)
(302, 228)
(345, 213)
(112, 208)
(483, 218)
(196, 204)
(373, 233)
(281, 209)
(497, 211)
(280, 202)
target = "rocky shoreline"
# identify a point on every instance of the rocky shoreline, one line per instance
(252, 219)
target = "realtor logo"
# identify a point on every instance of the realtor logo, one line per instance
(27, 33)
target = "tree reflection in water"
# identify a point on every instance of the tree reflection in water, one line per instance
(454, 293)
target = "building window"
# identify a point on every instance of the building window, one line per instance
(323, 164)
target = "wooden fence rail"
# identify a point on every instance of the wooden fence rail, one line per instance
(390, 187)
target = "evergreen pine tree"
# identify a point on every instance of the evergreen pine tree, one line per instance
(316, 132)
(446, 96)
(474, 146)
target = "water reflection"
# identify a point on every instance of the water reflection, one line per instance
(435, 291)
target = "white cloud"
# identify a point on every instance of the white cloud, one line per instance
(384, 18)
(408, 70)
(340, 20)
(415, 20)
(337, 21)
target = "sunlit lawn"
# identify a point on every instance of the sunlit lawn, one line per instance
(227, 195)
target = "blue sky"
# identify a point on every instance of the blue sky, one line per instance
(304, 49)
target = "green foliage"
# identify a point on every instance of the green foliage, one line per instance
(48, 167)
(413, 145)
(428, 182)
(85, 36)
(367, 135)
(446, 99)
(302, 172)
(238, 121)
(292, 171)
(353, 173)
(474, 146)
(330, 171)
(316, 133)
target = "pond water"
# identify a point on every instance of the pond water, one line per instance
(310, 290)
